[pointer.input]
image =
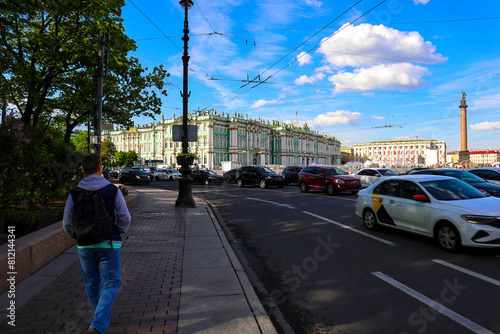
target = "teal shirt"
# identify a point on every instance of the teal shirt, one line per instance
(103, 245)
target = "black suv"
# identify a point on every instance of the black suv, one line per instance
(134, 176)
(258, 175)
(291, 174)
(230, 176)
(205, 176)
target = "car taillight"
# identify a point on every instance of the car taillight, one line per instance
(357, 194)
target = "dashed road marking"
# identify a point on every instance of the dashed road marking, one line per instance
(468, 272)
(433, 304)
(290, 206)
(390, 243)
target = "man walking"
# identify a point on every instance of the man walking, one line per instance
(99, 256)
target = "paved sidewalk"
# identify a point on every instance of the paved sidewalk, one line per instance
(179, 275)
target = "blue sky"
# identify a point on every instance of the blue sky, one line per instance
(358, 70)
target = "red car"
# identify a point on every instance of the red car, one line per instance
(332, 180)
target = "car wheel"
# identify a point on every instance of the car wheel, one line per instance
(157, 178)
(331, 189)
(240, 183)
(171, 178)
(448, 237)
(263, 184)
(207, 182)
(370, 220)
(303, 187)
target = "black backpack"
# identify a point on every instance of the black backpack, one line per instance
(91, 222)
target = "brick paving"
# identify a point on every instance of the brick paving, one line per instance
(149, 295)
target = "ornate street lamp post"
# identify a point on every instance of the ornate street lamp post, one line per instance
(185, 198)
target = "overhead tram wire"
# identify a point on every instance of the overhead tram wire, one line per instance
(294, 60)
(388, 24)
(166, 36)
(258, 76)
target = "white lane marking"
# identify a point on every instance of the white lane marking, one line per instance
(468, 272)
(433, 304)
(223, 194)
(390, 243)
(277, 204)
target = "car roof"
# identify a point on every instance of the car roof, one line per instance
(497, 169)
(419, 177)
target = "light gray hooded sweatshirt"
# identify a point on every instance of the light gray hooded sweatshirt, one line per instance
(95, 182)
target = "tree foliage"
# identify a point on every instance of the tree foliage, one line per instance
(126, 159)
(81, 141)
(108, 152)
(48, 64)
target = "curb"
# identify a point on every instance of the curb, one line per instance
(35, 250)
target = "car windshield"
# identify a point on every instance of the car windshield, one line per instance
(335, 171)
(450, 190)
(264, 170)
(211, 172)
(463, 175)
(387, 172)
(136, 172)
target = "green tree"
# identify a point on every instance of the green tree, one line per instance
(121, 159)
(81, 141)
(108, 152)
(130, 158)
(48, 64)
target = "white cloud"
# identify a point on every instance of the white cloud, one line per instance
(380, 118)
(336, 117)
(423, 2)
(400, 76)
(262, 103)
(314, 3)
(375, 42)
(303, 79)
(485, 126)
(304, 58)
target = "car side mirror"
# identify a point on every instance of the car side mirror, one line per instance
(421, 198)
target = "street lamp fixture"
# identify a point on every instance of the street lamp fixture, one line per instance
(185, 198)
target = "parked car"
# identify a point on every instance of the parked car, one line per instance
(146, 171)
(134, 176)
(415, 169)
(330, 179)
(441, 207)
(205, 176)
(230, 176)
(491, 174)
(258, 176)
(369, 176)
(166, 174)
(114, 173)
(475, 181)
(291, 174)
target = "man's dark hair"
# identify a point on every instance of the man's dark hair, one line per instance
(91, 163)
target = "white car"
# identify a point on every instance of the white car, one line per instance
(369, 176)
(167, 174)
(447, 209)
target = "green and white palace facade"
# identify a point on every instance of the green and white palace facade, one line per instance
(221, 137)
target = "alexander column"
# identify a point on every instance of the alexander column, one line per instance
(464, 154)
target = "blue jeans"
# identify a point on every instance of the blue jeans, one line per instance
(100, 265)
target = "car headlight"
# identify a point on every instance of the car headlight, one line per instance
(482, 220)
(138, 177)
(339, 181)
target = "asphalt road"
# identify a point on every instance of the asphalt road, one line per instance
(327, 274)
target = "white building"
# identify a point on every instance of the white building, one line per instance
(222, 137)
(402, 152)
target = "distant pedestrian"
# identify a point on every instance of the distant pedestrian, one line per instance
(99, 248)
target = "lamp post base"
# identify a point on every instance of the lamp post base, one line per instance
(185, 198)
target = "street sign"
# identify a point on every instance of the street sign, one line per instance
(192, 133)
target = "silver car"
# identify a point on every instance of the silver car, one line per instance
(167, 175)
